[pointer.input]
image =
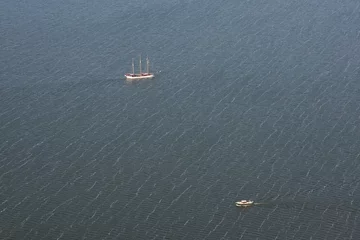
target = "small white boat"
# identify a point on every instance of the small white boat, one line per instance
(140, 75)
(244, 203)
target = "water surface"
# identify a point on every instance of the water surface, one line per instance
(252, 100)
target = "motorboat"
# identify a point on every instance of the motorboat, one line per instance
(244, 203)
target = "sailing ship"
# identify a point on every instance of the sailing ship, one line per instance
(140, 75)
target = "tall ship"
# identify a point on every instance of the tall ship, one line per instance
(140, 75)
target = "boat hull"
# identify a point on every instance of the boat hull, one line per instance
(244, 203)
(134, 77)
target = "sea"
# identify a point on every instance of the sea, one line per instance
(256, 100)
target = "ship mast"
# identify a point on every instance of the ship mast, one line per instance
(133, 70)
(140, 64)
(147, 65)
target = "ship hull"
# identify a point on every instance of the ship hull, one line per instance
(135, 76)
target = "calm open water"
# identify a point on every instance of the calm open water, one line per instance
(252, 100)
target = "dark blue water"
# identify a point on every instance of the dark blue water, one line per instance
(252, 100)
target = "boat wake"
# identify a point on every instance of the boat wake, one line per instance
(310, 206)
